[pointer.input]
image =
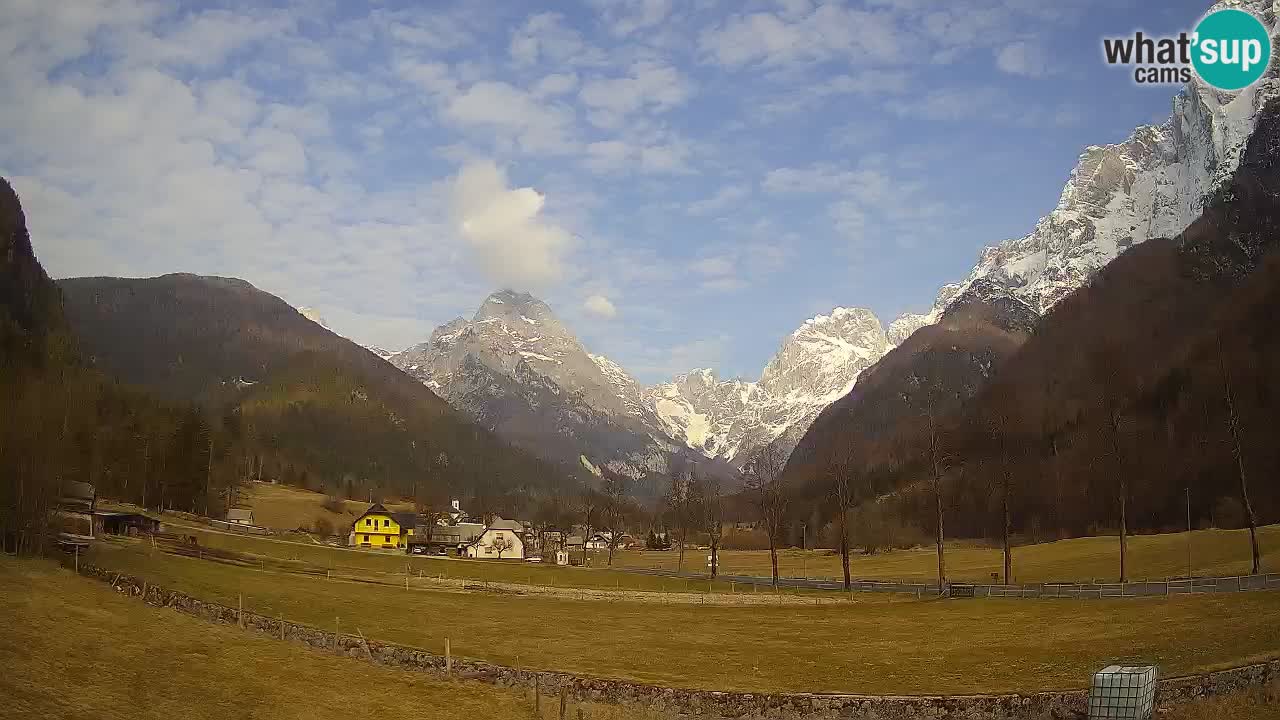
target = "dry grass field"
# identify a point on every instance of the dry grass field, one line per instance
(877, 646)
(1213, 552)
(71, 649)
(281, 507)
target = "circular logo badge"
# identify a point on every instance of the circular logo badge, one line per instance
(1231, 49)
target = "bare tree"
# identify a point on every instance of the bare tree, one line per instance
(1111, 370)
(1237, 452)
(711, 502)
(765, 487)
(844, 494)
(1006, 442)
(615, 508)
(939, 465)
(587, 506)
(501, 544)
(679, 501)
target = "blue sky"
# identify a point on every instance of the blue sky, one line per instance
(685, 182)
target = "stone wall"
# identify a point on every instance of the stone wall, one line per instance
(689, 703)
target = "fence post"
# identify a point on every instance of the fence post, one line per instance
(564, 699)
(448, 657)
(282, 626)
(537, 694)
(240, 611)
(335, 633)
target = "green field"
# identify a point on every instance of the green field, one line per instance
(1213, 552)
(899, 646)
(73, 649)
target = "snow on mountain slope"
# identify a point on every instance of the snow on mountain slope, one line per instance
(517, 369)
(816, 365)
(1154, 184)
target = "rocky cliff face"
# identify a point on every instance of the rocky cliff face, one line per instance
(1154, 184)
(515, 368)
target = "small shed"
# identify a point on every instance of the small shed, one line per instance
(240, 516)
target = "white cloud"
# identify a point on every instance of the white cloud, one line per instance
(534, 125)
(600, 305)
(829, 31)
(648, 86)
(556, 84)
(1022, 58)
(628, 16)
(514, 244)
(723, 198)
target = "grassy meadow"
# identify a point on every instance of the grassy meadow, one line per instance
(73, 649)
(874, 645)
(1213, 552)
(281, 507)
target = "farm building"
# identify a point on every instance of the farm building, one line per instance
(444, 539)
(378, 527)
(240, 516)
(111, 522)
(501, 539)
(73, 513)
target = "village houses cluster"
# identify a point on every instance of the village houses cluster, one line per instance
(456, 533)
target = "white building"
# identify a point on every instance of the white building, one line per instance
(501, 540)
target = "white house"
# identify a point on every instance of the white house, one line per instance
(600, 541)
(501, 539)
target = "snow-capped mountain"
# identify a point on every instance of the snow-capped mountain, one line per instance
(518, 370)
(816, 365)
(1154, 184)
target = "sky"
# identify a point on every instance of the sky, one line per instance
(683, 181)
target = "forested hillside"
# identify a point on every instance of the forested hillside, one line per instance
(306, 406)
(1157, 378)
(62, 421)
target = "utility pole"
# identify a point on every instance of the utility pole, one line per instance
(1188, 532)
(208, 477)
(804, 545)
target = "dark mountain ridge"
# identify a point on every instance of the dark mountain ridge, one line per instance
(315, 406)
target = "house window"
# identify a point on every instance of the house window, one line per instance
(368, 521)
(366, 539)
(385, 522)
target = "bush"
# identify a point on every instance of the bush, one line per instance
(323, 527)
(745, 540)
(333, 504)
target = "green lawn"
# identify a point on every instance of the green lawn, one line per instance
(876, 646)
(1213, 552)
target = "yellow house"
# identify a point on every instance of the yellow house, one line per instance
(381, 528)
